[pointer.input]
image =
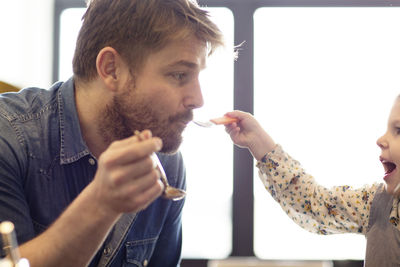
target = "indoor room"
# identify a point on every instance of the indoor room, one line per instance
(319, 76)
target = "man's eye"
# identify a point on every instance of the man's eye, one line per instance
(397, 130)
(178, 75)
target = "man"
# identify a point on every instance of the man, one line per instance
(79, 186)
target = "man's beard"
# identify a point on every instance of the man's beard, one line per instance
(122, 117)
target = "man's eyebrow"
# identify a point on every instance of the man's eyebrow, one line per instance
(184, 63)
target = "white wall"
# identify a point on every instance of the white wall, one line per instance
(26, 32)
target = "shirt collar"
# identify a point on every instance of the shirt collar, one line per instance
(72, 145)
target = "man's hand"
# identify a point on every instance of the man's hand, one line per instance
(126, 179)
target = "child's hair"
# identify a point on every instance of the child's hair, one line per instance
(136, 28)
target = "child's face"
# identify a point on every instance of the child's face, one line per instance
(390, 146)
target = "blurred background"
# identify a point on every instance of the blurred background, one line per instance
(26, 34)
(320, 76)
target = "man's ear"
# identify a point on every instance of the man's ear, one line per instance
(109, 66)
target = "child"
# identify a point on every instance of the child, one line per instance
(371, 210)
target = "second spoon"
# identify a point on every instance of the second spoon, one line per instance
(170, 192)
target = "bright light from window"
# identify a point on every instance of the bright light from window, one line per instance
(208, 153)
(325, 80)
(70, 23)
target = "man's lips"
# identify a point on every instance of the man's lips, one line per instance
(185, 123)
(183, 118)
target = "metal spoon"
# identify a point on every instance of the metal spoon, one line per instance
(217, 121)
(170, 192)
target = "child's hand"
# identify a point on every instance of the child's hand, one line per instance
(248, 133)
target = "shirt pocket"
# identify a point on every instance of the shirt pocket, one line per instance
(138, 253)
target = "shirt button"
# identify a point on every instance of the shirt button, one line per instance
(92, 161)
(145, 262)
(107, 251)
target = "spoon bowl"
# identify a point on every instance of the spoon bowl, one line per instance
(173, 193)
(217, 121)
(170, 192)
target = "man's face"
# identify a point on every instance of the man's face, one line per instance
(161, 96)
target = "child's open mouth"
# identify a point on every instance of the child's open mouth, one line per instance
(388, 166)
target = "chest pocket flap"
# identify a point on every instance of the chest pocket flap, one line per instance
(138, 253)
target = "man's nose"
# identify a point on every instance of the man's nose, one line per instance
(194, 97)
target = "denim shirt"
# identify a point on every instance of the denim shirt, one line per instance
(45, 164)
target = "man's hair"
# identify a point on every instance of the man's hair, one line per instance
(136, 28)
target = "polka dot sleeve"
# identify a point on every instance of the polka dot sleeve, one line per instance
(315, 208)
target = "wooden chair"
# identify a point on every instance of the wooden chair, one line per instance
(5, 87)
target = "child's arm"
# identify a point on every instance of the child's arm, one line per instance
(312, 206)
(340, 209)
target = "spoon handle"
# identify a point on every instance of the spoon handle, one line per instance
(160, 168)
(156, 161)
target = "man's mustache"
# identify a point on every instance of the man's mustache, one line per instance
(186, 116)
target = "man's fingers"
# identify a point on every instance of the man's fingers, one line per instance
(144, 135)
(151, 194)
(133, 171)
(140, 195)
(126, 174)
(129, 151)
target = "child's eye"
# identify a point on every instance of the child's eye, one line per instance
(397, 130)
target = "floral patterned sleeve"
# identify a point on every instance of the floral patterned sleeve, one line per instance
(317, 209)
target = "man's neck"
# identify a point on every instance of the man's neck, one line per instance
(89, 107)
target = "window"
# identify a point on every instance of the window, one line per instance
(208, 155)
(70, 23)
(325, 79)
